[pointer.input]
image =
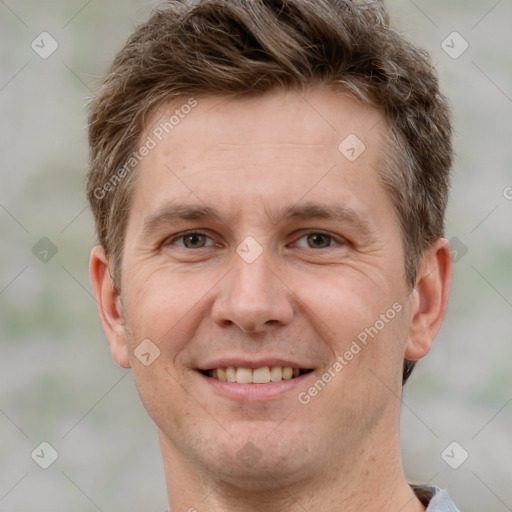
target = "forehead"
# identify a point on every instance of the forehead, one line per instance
(282, 142)
(318, 116)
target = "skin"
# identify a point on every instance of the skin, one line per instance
(305, 298)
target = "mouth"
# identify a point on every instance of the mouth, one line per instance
(262, 375)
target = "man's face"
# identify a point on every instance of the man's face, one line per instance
(297, 253)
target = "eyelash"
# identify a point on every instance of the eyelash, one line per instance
(181, 236)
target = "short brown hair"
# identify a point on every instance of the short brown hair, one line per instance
(226, 47)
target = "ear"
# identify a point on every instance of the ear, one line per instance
(429, 299)
(109, 306)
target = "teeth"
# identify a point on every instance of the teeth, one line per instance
(244, 375)
(261, 375)
(276, 373)
(287, 373)
(230, 374)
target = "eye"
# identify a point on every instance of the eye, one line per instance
(190, 240)
(198, 240)
(316, 240)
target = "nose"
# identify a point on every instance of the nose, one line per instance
(253, 296)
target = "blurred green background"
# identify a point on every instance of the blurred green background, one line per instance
(57, 380)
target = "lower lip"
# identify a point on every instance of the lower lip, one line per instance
(255, 392)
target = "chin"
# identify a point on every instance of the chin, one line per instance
(255, 460)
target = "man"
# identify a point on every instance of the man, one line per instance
(269, 181)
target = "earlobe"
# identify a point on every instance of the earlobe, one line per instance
(109, 306)
(429, 299)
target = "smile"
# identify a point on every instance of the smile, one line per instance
(262, 375)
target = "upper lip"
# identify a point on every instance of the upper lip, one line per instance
(246, 363)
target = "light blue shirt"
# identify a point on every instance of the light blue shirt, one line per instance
(434, 498)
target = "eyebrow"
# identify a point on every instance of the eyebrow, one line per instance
(177, 212)
(304, 211)
(336, 212)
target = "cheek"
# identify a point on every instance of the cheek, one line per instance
(165, 306)
(343, 301)
(360, 320)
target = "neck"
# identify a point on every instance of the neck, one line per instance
(369, 479)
